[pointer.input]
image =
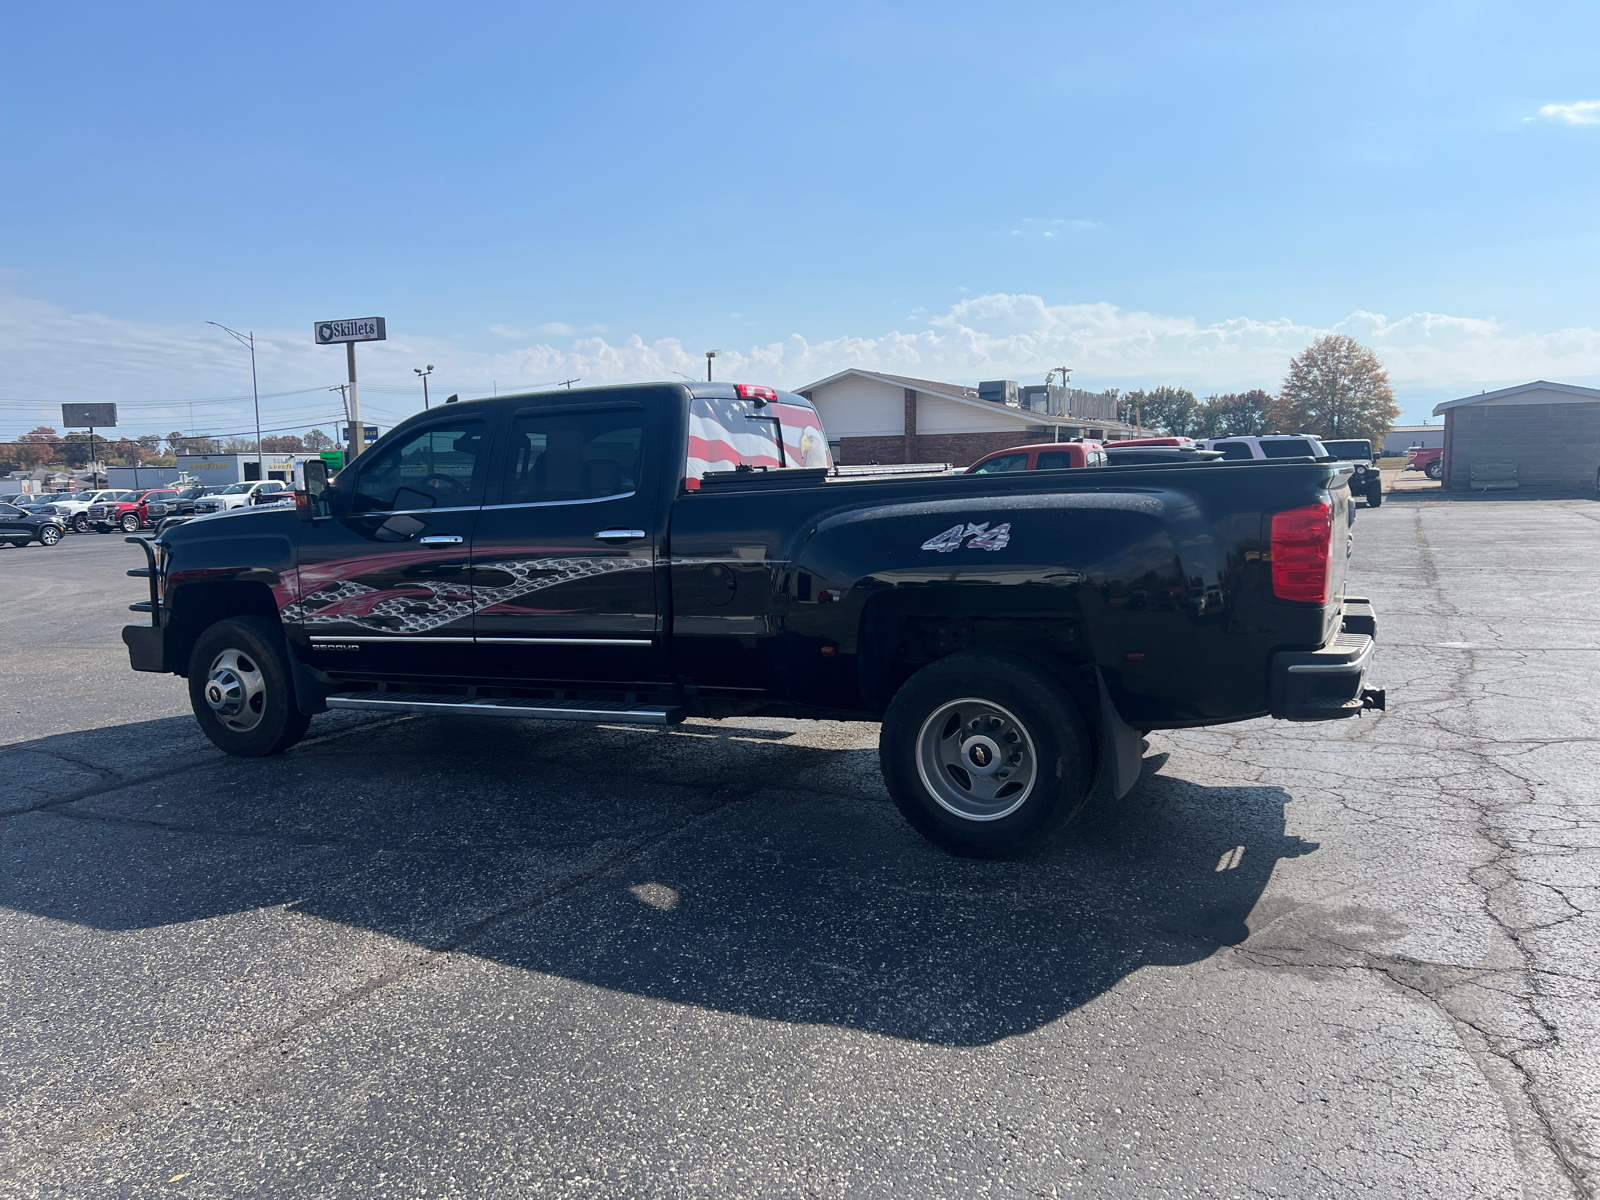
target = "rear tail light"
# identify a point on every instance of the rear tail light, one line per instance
(754, 391)
(1301, 541)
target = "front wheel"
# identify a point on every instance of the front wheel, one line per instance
(49, 535)
(241, 689)
(1435, 469)
(1375, 493)
(80, 523)
(130, 522)
(985, 754)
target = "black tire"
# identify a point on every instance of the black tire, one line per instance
(1375, 493)
(103, 528)
(259, 716)
(80, 523)
(49, 535)
(130, 522)
(1435, 469)
(960, 696)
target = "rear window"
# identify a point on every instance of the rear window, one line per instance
(1349, 450)
(1289, 448)
(725, 434)
(1234, 449)
(1006, 462)
(1056, 460)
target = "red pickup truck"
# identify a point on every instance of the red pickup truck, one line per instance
(1040, 456)
(128, 511)
(1427, 459)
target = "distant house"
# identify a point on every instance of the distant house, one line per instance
(872, 417)
(1549, 431)
(1404, 437)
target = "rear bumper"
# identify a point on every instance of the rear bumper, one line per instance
(1329, 684)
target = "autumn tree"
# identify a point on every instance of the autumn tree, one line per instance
(36, 448)
(179, 443)
(317, 440)
(1336, 388)
(287, 443)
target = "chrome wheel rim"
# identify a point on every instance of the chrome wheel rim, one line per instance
(235, 690)
(130, 523)
(49, 535)
(976, 759)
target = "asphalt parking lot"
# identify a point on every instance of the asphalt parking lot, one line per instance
(428, 956)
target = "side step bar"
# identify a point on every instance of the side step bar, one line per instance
(616, 712)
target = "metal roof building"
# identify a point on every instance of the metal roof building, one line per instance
(1547, 433)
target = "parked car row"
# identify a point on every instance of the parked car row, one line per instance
(1365, 482)
(19, 526)
(109, 509)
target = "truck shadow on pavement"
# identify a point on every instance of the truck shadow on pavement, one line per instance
(719, 867)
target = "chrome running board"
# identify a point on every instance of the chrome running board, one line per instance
(617, 712)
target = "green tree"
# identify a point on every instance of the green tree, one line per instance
(1336, 388)
(317, 440)
(1163, 410)
(1236, 414)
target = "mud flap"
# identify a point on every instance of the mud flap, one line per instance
(1121, 746)
(310, 692)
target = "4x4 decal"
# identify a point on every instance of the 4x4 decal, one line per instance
(983, 538)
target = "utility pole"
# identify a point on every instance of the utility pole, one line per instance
(358, 432)
(249, 339)
(424, 375)
(344, 402)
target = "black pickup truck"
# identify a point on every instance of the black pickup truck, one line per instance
(647, 553)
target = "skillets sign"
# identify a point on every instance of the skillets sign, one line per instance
(355, 329)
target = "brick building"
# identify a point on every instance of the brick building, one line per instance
(1549, 431)
(872, 417)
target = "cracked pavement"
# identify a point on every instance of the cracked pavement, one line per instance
(440, 956)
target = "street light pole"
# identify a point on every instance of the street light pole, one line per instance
(710, 354)
(249, 339)
(424, 375)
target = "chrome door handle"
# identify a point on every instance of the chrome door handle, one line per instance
(619, 535)
(440, 539)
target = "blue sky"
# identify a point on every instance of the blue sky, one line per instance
(1148, 193)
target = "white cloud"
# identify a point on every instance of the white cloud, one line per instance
(1053, 227)
(52, 354)
(1580, 112)
(548, 329)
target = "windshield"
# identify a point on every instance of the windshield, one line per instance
(236, 489)
(121, 496)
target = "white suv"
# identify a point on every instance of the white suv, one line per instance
(1274, 445)
(263, 491)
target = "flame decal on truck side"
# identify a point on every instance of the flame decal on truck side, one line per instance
(422, 605)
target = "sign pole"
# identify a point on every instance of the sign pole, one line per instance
(94, 474)
(358, 440)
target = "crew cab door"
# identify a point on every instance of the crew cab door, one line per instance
(384, 584)
(563, 568)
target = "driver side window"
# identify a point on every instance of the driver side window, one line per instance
(438, 467)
